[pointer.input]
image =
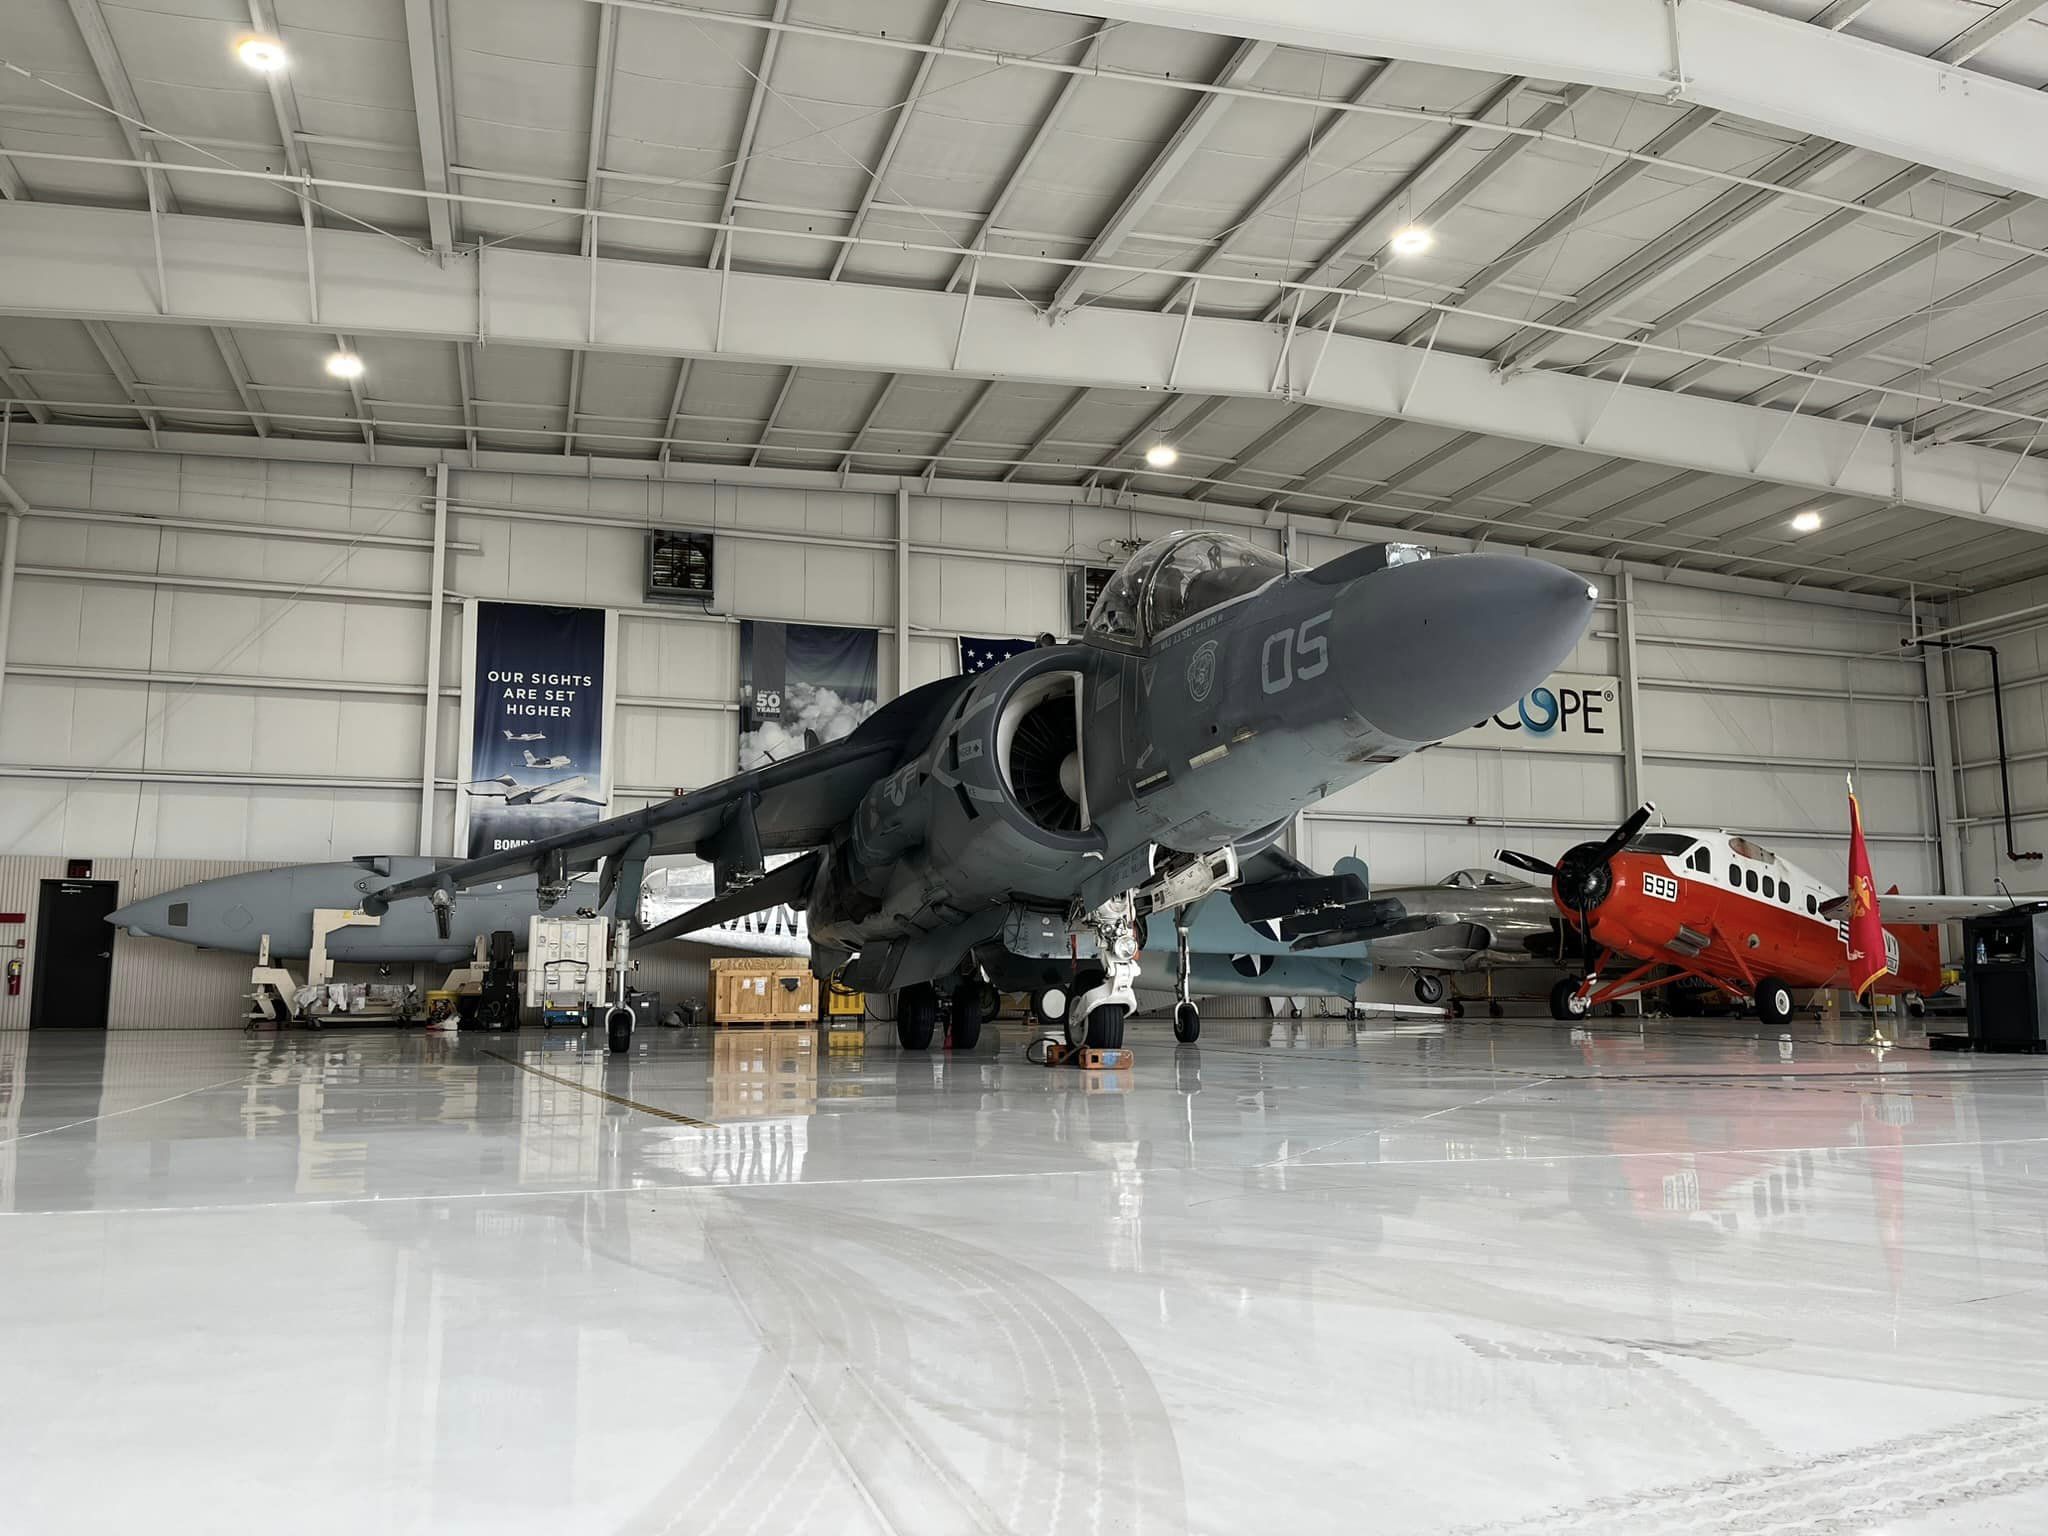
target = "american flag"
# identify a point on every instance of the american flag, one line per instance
(978, 654)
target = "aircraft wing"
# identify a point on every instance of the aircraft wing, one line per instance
(1896, 908)
(796, 803)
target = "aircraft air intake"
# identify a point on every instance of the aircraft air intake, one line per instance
(1038, 739)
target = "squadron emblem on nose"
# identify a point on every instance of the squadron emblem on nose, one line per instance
(1202, 671)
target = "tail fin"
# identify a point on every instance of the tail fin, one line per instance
(531, 760)
(1351, 864)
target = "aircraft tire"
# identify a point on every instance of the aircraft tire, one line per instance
(967, 1015)
(1566, 1006)
(618, 1030)
(917, 1015)
(1429, 988)
(1187, 1023)
(1773, 1001)
(1106, 1026)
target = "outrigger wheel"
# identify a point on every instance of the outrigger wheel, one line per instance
(1429, 988)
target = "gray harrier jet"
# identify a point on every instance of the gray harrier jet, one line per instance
(1033, 814)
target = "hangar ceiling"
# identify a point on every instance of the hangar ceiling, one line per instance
(976, 241)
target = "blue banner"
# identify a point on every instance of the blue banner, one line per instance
(536, 753)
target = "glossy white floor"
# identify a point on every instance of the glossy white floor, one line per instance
(1505, 1279)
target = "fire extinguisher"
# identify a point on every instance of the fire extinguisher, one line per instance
(14, 978)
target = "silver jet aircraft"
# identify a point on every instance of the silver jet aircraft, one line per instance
(1029, 816)
(1475, 920)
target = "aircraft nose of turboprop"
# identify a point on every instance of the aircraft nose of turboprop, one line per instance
(1435, 646)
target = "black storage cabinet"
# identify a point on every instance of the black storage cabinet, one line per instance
(2005, 961)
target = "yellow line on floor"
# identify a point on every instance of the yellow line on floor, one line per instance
(599, 1093)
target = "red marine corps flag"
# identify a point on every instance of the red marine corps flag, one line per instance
(1866, 928)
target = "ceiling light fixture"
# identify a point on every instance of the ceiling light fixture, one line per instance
(1162, 455)
(1806, 522)
(1412, 240)
(345, 365)
(265, 55)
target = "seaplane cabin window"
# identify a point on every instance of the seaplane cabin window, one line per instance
(1735, 877)
(1770, 888)
(1702, 860)
(1749, 880)
(1812, 905)
(1784, 893)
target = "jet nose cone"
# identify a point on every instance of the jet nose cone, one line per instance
(147, 917)
(1438, 645)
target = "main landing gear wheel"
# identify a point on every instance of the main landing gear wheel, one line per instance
(967, 1015)
(917, 1016)
(1567, 1006)
(618, 1030)
(1187, 1023)
(1773, 1001)
(1429, 988)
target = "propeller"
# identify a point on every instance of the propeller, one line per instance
(1583, 877)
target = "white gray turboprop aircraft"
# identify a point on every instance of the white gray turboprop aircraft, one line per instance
(547, 762)
(527, 736)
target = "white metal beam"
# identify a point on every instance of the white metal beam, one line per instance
(425, 26)
(1171, 160)
(1288, 181)
(1858, 287)
(1040, 137)
(117, 364)
(878, 181)
(756, 99)
(1986, 30)
(1713, 53)
(1659, 258)
(99, 264)
(1396, 204)
(1051, 430)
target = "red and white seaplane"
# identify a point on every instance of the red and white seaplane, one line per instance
(1675, 902)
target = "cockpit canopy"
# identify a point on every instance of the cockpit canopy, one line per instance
(1478, 879)
(1175, 578)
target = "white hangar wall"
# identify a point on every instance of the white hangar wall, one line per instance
(224, 658)
(2014, 621)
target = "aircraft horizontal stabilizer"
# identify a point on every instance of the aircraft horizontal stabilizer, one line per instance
(1278, 900)
(787, 886)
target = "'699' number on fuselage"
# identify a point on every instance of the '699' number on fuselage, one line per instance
(1278, 670)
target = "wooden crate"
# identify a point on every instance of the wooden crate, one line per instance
(752, 990)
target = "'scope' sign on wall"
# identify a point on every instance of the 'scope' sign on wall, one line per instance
(1566, 712)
